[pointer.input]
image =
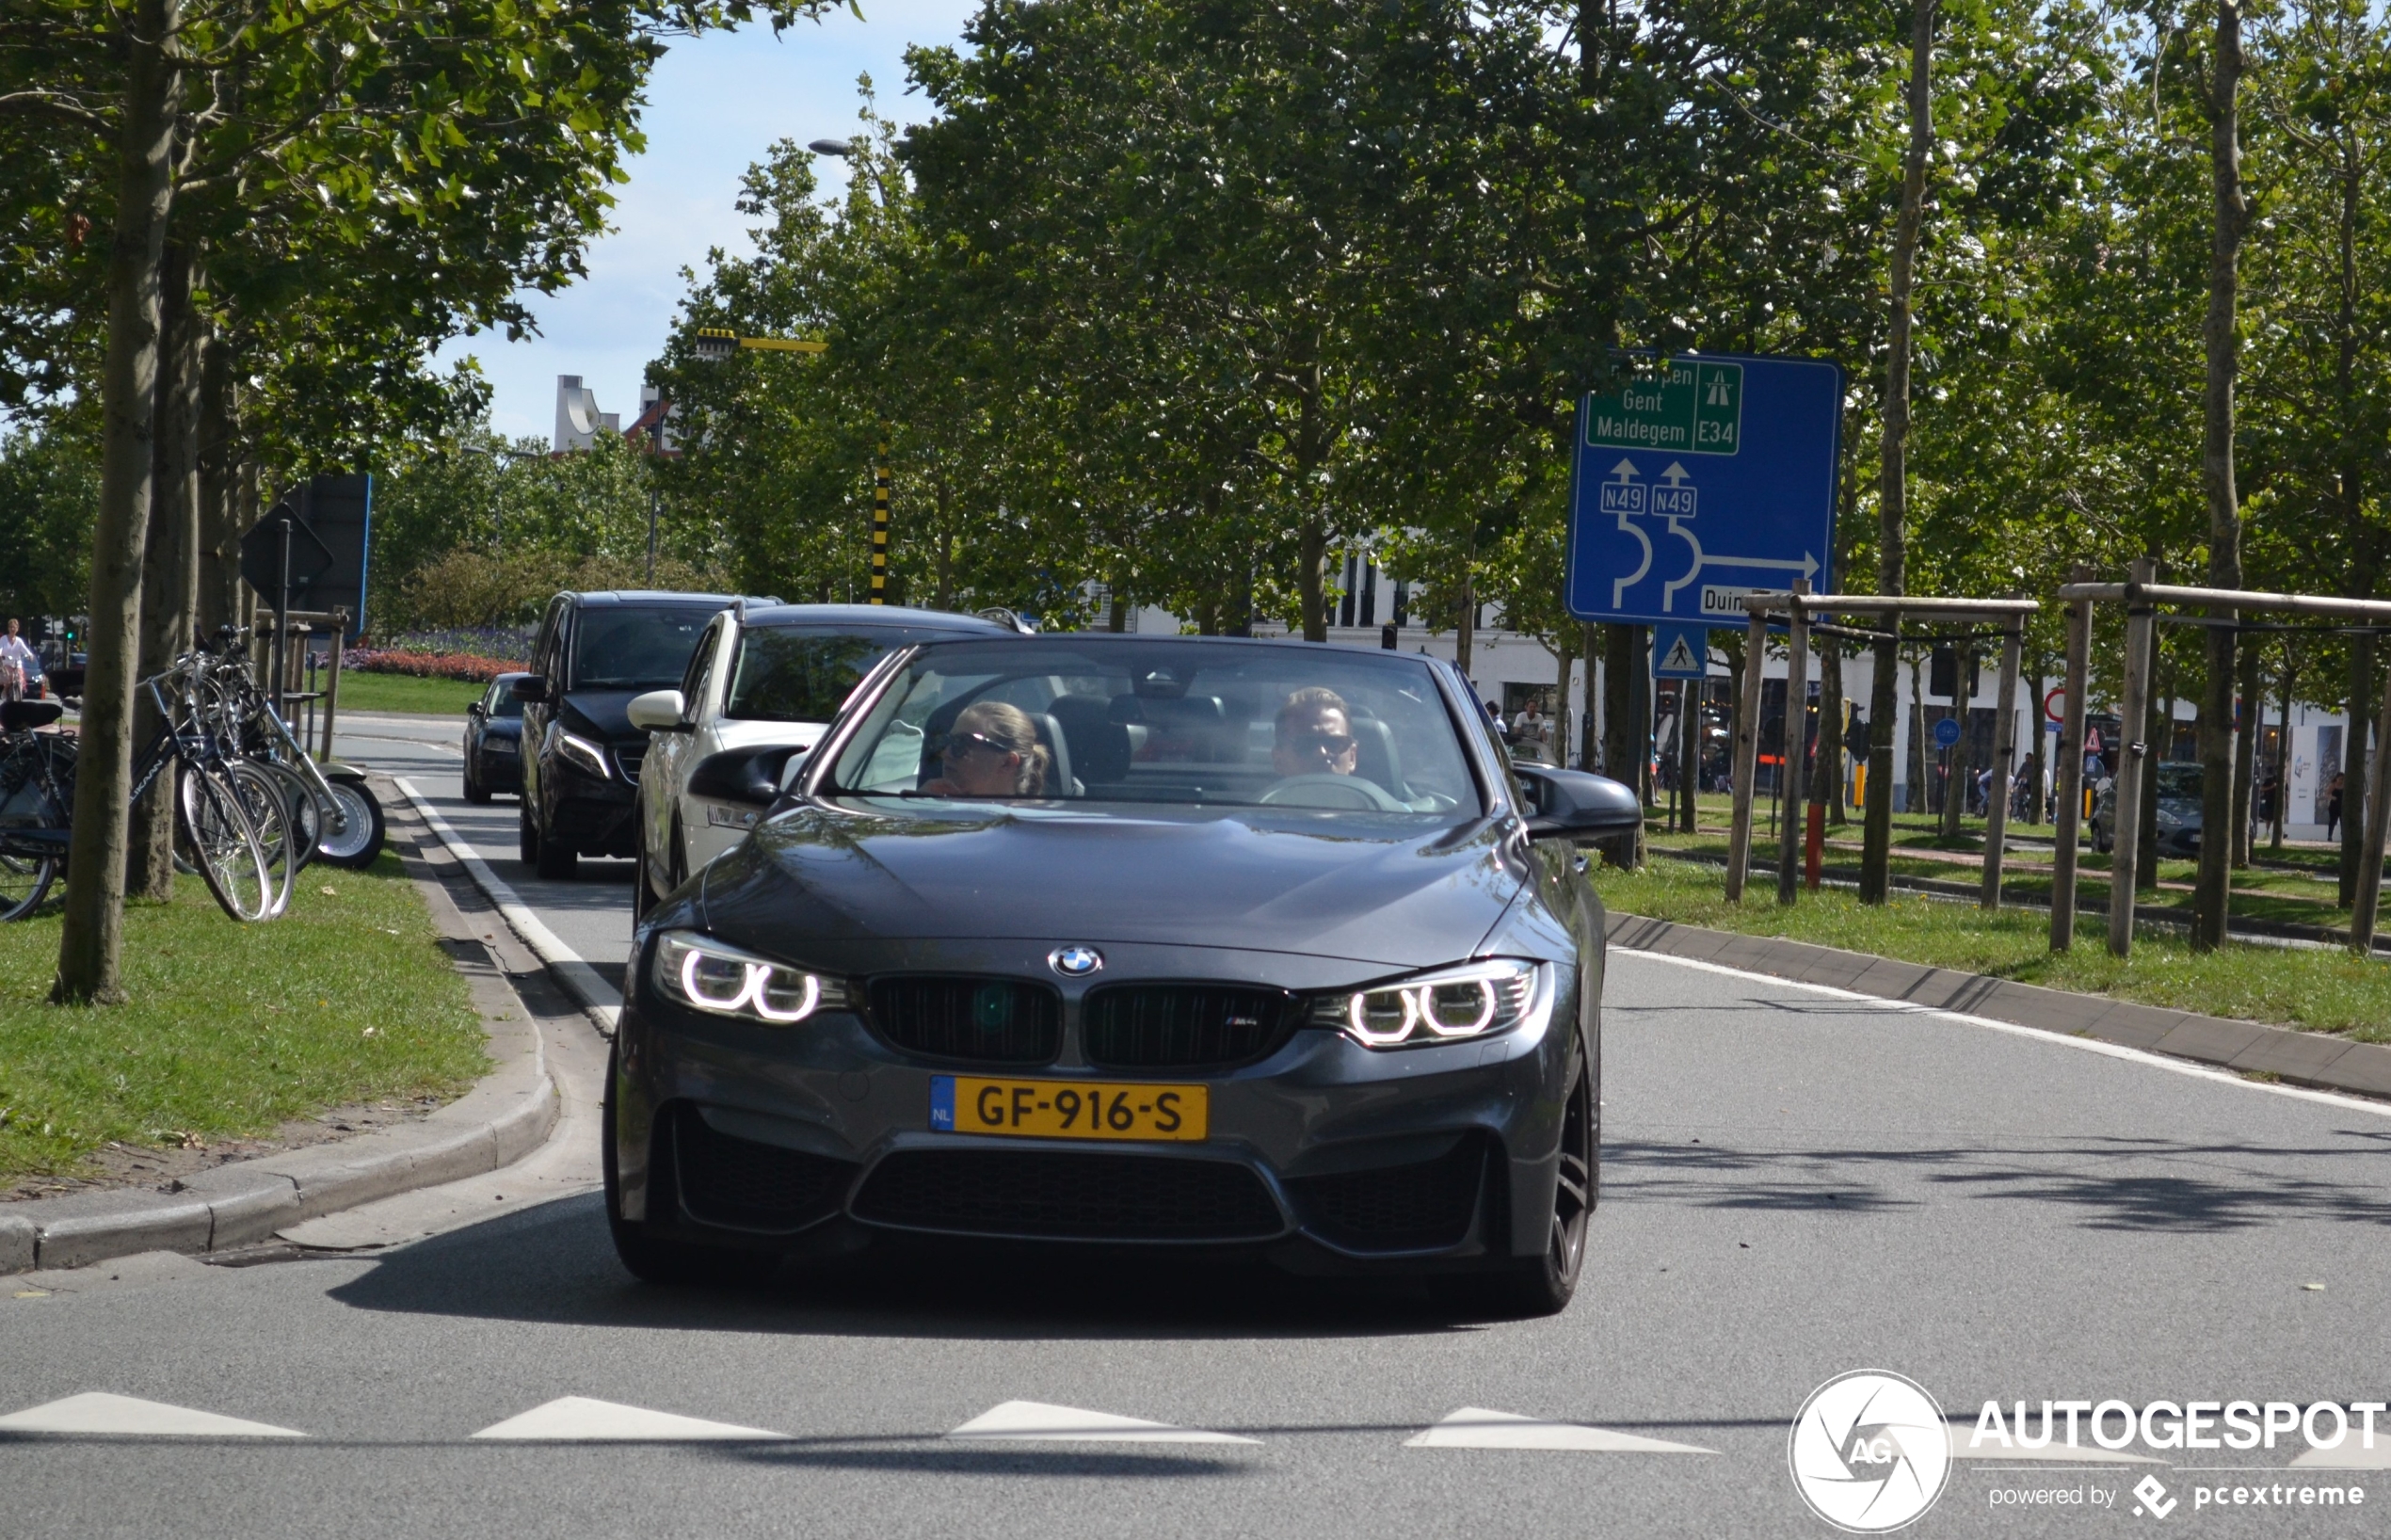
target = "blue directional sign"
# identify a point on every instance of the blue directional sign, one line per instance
(1680, 652)
(1705, 477)
(1947, 732)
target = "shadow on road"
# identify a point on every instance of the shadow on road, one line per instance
(555, 1264)
(2140, 1185)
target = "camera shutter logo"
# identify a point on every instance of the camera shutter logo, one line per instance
(1870, 1451)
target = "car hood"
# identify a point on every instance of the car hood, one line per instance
(603, 715)
(1381, 891)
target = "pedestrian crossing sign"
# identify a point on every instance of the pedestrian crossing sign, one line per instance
(1680, 652)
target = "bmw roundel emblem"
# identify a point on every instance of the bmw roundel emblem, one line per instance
(1075, 962)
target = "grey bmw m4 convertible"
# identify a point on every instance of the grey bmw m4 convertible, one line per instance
(1186, 942)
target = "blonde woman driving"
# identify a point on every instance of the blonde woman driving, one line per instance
(991, 751)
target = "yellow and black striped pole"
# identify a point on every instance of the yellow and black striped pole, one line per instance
(880, 526)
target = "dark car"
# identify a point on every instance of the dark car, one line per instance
(1186, 942)
(2176, 788)
(493, 741)
(581, 755)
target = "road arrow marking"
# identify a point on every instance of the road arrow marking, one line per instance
(580, 1419)
(1036, 1419)
(98, 1412)
(1474, 1427)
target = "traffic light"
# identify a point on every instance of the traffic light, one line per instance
(715, 344)
(1942, 671)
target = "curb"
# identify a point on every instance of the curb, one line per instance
(507, 1116)
(2302, 1058)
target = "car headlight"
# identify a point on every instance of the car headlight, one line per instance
(1474, 1000)
(704, 974)
(581, 753)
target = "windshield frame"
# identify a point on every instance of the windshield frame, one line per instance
(1488, 776)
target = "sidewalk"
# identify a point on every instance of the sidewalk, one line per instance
(508, 1115)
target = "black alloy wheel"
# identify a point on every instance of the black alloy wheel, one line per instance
(474, 790)
(653, 1258)
(1534, 1286)
(548, 856)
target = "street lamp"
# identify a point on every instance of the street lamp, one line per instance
(711, 345)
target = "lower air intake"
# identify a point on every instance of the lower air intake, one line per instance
(1069, 1196)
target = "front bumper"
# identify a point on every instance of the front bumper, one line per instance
(590, 814)
(1326, 1154)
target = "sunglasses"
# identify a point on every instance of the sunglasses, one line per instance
(960, 743)
(1335, 745)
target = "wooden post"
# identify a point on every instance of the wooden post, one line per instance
(332, 680)
(2367, 898)
(2004, 749)
(2069, 814)
(1792, 774)
(2132, 759)
(1747, 758)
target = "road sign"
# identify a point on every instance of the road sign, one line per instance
(1702, 479)
(331, 521)
(1947, 732)
(1680, 652)
(2050, 702)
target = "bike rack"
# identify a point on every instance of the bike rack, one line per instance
(1798, 605)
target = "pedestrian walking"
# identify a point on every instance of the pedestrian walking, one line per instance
(2333, 806)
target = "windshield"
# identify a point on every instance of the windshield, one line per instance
(502, 700)
(1191, 723)
(620, 648)
(802, 673)
(2179, 780)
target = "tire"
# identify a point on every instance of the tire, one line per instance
(27, 802)
(263, 797)
(1538, 1286)
(653, 1258)
(308, 814)
(556, 860)
(356, 846)
(526, 835)
(25, 882)
(475, 790)
(223, 844)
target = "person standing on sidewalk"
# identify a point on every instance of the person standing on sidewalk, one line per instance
(19, 666)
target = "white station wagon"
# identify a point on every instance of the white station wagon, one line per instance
(762, 687)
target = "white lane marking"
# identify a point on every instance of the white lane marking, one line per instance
(583, 1419)
(1036, 1419)
(2040, 1034)
(1474, 1427)
(582, 979)
(98, 1412)
(2348, 1455)
(441, 743)
(1964, 1446)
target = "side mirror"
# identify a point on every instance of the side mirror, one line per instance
(531, 688)
(743, 775)
(658, 711)
(1572, 805)
(793, 769)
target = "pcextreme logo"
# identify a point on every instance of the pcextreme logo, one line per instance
(1870, 1451)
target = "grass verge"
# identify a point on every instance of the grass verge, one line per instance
(2313, 990)
(362, 692)
(232, 1029)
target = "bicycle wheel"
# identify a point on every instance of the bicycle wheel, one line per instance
(307, 812)
(263, 797)
(37, 788)
(224, 846)
(360, 839)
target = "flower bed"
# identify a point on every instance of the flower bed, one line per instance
(461, 665)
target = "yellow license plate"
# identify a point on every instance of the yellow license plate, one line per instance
(1069, 1109)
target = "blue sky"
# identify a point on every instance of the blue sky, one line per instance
(713, 105)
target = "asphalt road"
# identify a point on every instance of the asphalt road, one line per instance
(1795, 1184)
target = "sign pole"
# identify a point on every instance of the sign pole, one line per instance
(1747, 756)
(1793, 762)
(2004, 749)
(2069, 814)
(880, 526)
(2132, 755)
(282, 616)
